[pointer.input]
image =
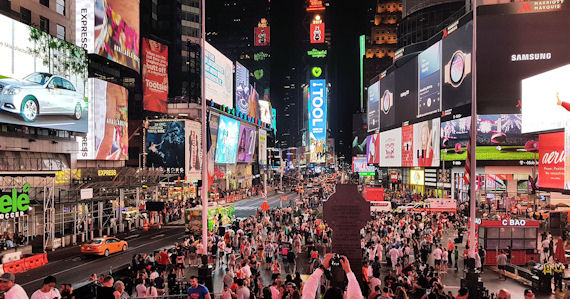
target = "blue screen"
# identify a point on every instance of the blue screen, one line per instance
(228, 133)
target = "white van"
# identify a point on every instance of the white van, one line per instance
(380, 206)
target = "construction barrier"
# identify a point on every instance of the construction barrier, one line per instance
(26, 263)
(11, 257)
(15, 267)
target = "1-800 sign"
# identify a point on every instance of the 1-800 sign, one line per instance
(318, 120)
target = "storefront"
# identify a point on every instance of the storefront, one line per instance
(520, 236)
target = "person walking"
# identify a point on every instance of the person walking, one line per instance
(502, 263)
(48, 289)
(558, 274)
(11, 289)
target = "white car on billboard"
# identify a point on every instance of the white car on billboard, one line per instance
(40, 94)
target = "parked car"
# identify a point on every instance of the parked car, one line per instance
(104, 246)
(40, 94)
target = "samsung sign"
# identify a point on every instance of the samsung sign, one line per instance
(317, 120)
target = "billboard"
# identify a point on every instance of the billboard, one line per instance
(408, 146)
(406, 102)
(426, 143)
(155, 75)
(455, 135)
(359, 164)
(551, 160)
(542, 97)
(165, 146)
(429, 80)
(417, 177)
(253, 99)
(242, 88)
(107, 137)
(193, 148)
(262, 147)
(226, 145)
(43, 80)
(388, 111)
(373, 149)
(317, 120)
(456, 60)
(219, 77)
(261, 36)
(391, 148)
(374, 107)
(500, 129)
(317, 32)
(264, 111)
(274, 120)
(246, 144)
(115, 30)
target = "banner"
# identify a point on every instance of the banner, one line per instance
(391, 148)
(165, 146)
(246, 144)
(317, 33)
(262, 147)
(429, 95)
(551, 160)
(317, 120)
(253, 99)
(374, 107)
(426, 143)
(261, 36)
(264, 111)
(226, 145)
(242, 88)
(373, 149)
(194, 149)
(155, 76)
(219, 77)
(408, 146)
(360, 164)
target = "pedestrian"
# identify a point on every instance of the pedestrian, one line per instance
(502, 263)
(66, 291)
(197, 291)
(558, 275)
(120, 291)
(106, 290)
(10, 288)
(243, 291)
(48, 289)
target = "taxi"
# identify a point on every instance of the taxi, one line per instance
(104, 246)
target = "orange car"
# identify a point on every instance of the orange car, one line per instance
(104, 246)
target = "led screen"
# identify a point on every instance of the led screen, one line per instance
(253, 102)
(262, 147)
(194, 150)
(374, 107)
(429, 78)
(456, 59)
(242, 88)
(426, 143)
(265, 111)
(359, 164)
(165, 146)
(219, 77)
(417, 177)
(155, 76)
(406, 97)
(246, 144)
(227, 141)
(387, 109)
(373, 148)
(317, 120)
(455, 135)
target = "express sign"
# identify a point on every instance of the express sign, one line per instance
(317, 120)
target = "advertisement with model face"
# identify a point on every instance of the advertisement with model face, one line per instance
(391, 148)
(194, 150)
(426, 143)
(456, 59)
(246, 145)
(262, 147)
(107, 137)
(226, 147)
(242, 88)
(264, 111)
(551, 160)
(43, 80)
(373, 148)
(408, 146)
(165, 146)
(374, 107)
(388, 111)
(219, 77)
(429, 78)
(155, 76)
(317, 120)
(253, 99)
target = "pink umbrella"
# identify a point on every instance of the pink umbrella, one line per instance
(559, 251)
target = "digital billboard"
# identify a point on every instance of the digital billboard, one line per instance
(542, 99)
(274, 120)
(500, 129)
(456, 58)
(406, 96)
(551, 160)
(43, 80)
(388, 111)
(374, 107)
(242, 88)
(262, 154)
(317, 120)
(264, 111)
(246, 144)
(155, 75)
(165, 146)
(408, 146)
(359, 164)
(455, 135)
(107, 137)
(429, 80)
(193, 149)
(317, 33)
(417, 177)
(426, 143)
(261, 36)
(219, 77)
(373, 148)
(253, 99)
(391, 148)
(227, 141)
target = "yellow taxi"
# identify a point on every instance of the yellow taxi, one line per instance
(104, 246)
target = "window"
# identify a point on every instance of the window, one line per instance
(67, 85)
(60, 32)
(44, 3)
(60, 7)
(44, 24)
(26, 16)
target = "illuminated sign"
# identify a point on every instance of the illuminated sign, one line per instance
(316, 71)
(513, 222)
(317, 53)
(261, 36)
(260, 56)
(107, 172)
(317, 120)
(315, 5)
(317, 33)
(14, 205)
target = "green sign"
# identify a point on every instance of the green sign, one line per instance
(258, 74)
(366, 173)
(260, 56)
(316, 71)
(317, 53)
(362, 45)
(15, 205)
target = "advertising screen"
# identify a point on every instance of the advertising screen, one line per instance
(426, 143)
(551, 160)
(542, 99)
(374, 107)
(513, 46)
(317, 33)
(408, 146)
(165, 146)
(317, 120)
(429, 78)
(388, 114)
(274, 120)
(264, 111)
(246, 144)
(194, 150)
(116, 31)
(262, 147)
(455, 136)
(253, 99)
(500, 129)
(107, 137)
(359, 164)
(226, 147)
(391, 148)
(456, 60)
(219, 77)
(373, 148)
(43, 80)
(417, 177)
(155, 75)
(406, 102)
(262, 36)
(242, 88)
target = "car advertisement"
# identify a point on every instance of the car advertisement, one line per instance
(242, 89)
(374, 107)
(359, 164)
(194, 149)
(43, 80)
(455, 136)
(317, 120)
(219, 77)
(388, 111)
(253, 99)
(165, 146)
(408, 146)
(262, 147)
(551, 160)
(246, 145)
(456, 49)
(107, 137)
(391, 148)
(429, 78)
(546, 100)
(155, 76)
(116, 31)
(426, 143)
(227, 141)
(406, 102)
(373, 148)
(264, 111)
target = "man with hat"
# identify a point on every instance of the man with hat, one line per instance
(11, 289)
(48, 290)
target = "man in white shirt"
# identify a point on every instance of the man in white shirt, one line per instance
(11, 289)
(437, 258)
(393, 253)
(242, 290)
(48, 290)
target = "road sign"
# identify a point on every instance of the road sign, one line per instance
(264, 206)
